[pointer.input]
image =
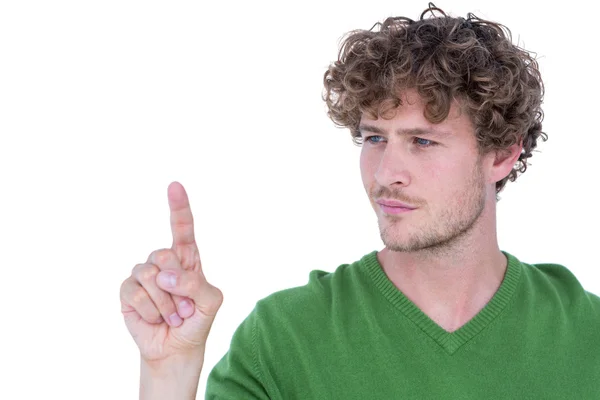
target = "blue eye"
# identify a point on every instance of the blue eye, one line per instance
(424, 142)
(368, 139)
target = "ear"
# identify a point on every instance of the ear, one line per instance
(504, 161)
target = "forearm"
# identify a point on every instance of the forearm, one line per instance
(177, 379)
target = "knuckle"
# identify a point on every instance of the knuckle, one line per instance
(217, 297)
(135, 269)
(124, 289)
(217, 294)
(146, 272)
(138, 297)
(212, 301)
(162, 256)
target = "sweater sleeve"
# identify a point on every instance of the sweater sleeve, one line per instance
(237, 375)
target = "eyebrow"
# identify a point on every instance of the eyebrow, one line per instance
(405, 131)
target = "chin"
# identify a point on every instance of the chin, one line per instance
(397, 238)
(401, 238)
(401, 246)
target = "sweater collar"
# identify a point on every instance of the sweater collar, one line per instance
(449, 341)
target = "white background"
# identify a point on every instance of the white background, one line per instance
(103, 104)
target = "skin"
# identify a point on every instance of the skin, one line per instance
(169, 308)
(444, 255)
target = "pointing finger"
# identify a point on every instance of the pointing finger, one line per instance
(182, 221)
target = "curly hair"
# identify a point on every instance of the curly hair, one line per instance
(472, 61)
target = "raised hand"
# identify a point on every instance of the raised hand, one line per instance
(167, 303)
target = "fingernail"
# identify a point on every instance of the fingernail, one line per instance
(185, 308)
(167, 279)
(175, 319)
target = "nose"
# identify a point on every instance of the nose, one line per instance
(393, 168)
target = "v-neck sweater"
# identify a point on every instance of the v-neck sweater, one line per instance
(352, 334)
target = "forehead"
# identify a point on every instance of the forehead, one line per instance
(409, 118)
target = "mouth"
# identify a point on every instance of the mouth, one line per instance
(394, 210)
(391, 206)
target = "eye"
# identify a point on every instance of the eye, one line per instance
(368, 139)
(424, 142)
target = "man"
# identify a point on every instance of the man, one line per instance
(447, 111)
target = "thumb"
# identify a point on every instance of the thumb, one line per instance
(191, 284)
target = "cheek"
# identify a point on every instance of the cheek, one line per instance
(435, 182)
(443, 178)
(433, 169)
(367, 169)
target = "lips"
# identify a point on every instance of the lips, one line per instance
(394, 203)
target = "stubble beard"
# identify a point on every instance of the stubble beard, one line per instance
(442, 231)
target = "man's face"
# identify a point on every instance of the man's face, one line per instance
(434, 168)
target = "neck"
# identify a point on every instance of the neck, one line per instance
(451, 285)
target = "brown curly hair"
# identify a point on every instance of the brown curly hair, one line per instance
(444, 58)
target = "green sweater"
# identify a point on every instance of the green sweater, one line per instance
(352, 334)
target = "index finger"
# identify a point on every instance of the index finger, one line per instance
(182, 221)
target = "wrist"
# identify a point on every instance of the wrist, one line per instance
(174, 363)
(175, 377)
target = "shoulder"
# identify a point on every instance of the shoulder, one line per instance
(557, 286)
(554, 278)
(319, 301)
(320, 292)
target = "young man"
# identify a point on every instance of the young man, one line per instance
(446, 110)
